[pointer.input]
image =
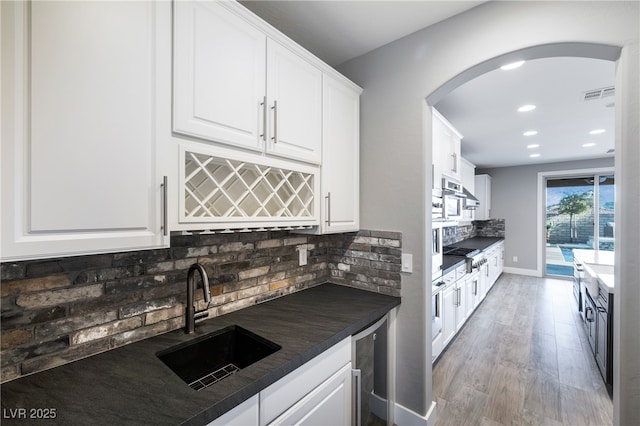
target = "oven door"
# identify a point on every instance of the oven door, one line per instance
(452, 207)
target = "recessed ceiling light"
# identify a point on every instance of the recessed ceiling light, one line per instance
(597, 131)
(530, 133)
(512, 66)
(588, 145)
(534, 155)
(526, 108)
(535, 145)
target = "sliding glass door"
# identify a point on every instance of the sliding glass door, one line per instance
(579, 215)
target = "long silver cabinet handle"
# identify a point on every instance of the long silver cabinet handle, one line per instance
(275, 122)
(263, 104)
(357, 374)
(455, 163)
(165, 208)
(328, 199)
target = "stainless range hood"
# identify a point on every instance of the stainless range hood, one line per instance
(469, 201)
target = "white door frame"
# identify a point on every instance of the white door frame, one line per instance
(541, 216)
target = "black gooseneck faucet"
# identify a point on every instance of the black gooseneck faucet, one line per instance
(192, 314)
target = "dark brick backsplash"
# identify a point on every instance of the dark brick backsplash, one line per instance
(478, 228)
(55, 311)
(490, 228)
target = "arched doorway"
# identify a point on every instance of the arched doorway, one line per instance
(612, 53)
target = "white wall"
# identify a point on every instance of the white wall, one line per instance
(626, 333)
(399, 76)
(514, 197)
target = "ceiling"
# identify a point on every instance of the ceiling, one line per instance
(484, 109)
(339, 30)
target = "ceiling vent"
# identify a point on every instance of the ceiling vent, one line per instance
(605, 92)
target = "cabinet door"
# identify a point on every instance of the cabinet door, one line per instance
(328, 404)
(451, 159)
(470, 296)
(449, 309)
(439, 139)
(483, 194)
(477, 290)
(294, 88)
(461, 311)
(277, 399)
(467, 177)
(340, 157)
(245, 414)
(88, 88)
(447, 143)
(219, 75)
(601, 342)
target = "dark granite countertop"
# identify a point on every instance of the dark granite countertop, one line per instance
(131, 386)
(450, 263)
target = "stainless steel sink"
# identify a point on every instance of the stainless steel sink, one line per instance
(206, 360)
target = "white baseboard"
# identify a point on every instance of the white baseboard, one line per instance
(406, 417)
(521, 271)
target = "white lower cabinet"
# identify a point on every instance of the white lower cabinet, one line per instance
(471, 294)
(460, 297)
(244, 414)
(495, 264)
(449, 313)
(317, 393)
(328, 404)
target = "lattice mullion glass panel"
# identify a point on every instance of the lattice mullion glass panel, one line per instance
(223, 188)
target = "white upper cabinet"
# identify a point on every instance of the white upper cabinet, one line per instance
(467, 176)
(84, 89)
(483, 194)
(340, 157)
(219, 75)
(446, 148)
(235, 85)
(438, 139)
(294, 96)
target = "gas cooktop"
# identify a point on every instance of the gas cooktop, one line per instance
(459, 251)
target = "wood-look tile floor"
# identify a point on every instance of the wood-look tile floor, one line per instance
(523, 358)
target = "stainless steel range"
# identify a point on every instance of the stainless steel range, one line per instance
(474, 257)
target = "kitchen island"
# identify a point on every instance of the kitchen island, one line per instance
(131, 386)
(594, 272)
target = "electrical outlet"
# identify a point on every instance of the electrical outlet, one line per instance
(302, 255)
(515, 259)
